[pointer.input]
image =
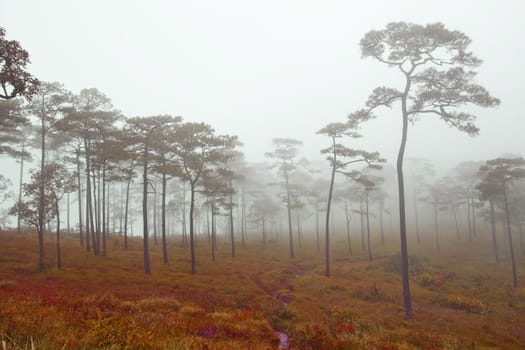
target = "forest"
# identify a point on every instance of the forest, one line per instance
(156, 232)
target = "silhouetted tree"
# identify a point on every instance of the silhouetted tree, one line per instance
(432, 61)
(90, 109)
(197, 148)
(144, 132)
(57, 182)
(500, 172)
(14, 78)
(340, 157)
(49, 102)
(285, 153)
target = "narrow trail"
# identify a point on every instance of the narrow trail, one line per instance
(283, 301)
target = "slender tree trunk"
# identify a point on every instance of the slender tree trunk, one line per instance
(469, 222)
(361, 217)
(511, 247)
(474, 231)
(42, 193)
(264, 231)
(213, 239)
(96, 188)
(94, 211)
(289, 210)
(155, 216)
(192, 239)
(59, 256)
(79, 185)
(493, 226)
(369, 245)
(121, 209)
(147, 268)
(317, 226)
(347, 216)
(381, 209)
(109, 217)
(402, 215)
(88, 237)
(436, 226)
(299, 232)
(232, 236)
(104, 217)
(90, 206)
(21, 178)
(242, 219)
(452, 206)
(164, 243)
(208, 228)
(68, 214)
(126, 209)
(328, 206)
(184, 231)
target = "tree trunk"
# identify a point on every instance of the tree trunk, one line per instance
(213, 239)
(147, 269)
(126, 209)
(59, 257)
(264, 231)
(68, 214)
(184, 231)
(155, 215)
(96, 189)
(232, 237)
(469, 222)
(21, 178)
(104, 218)
(493, 226)
(94, 226)
(192, 239)
(407, 299)
(299, 232)
(455, 219)
(347, 216)
(317, 225)
(164, 243)
(382, 230)
(79, 184)
(328, 205)
(369, 245)
(361, 217)
(511, 247)
(289, 212)
(88, 196)
(42, 194)
(436, 226)
(474, 232)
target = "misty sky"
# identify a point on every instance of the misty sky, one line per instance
(264, 69)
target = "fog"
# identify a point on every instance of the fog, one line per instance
(269, 69)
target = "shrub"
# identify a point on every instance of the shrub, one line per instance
(469, 304)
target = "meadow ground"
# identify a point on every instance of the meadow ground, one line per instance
(262, 299)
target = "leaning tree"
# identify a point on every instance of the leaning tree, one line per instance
(340, 157)
(437, 69)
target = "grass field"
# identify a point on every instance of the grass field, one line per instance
(262, 299)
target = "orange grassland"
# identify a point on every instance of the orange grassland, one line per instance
(461, 298)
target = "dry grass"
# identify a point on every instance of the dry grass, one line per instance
(462, 300)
